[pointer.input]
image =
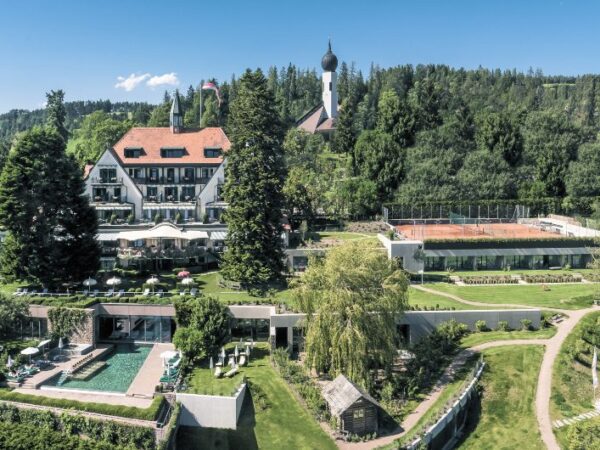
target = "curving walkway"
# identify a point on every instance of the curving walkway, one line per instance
(544, 384)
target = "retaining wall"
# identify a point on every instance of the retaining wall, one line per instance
(211, 411)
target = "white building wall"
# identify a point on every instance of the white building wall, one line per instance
(211, 411)
(209, 193)
(129, 190)
(330, 99)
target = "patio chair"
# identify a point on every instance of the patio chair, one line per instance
(146, 292)
(242, 361)
(120, 293)
(17, 292)
(94, 293)
(33, 292)
(109, 293)
(193, 292)
(232, 372)
(23, 292)
(159, 293)
(218, 372)
(44, 292)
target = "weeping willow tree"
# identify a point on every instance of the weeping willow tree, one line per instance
(353, 297)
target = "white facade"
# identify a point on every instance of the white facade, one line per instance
(330, 98)
(113, 193)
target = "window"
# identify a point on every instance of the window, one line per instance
(151, 192)
(212, 152)
(170, 175)
(135, 173)
(153, 174)
(359, 413)
(172, 152)
(188, 174)
(187, 193)
(133, 152)
(108, 175)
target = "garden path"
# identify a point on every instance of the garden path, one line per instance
(544, 385)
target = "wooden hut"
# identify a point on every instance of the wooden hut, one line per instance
(355, 410)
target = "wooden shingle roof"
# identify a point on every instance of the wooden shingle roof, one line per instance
(342, 393)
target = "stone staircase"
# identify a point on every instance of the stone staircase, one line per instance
(88, 370)
(570, 421)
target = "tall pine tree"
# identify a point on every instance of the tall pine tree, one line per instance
(56, 112)
(51, 226)
(254, 180)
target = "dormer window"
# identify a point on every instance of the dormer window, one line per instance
(133, 152)
(212, 152)
(172, 152)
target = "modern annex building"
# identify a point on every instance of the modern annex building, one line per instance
(162, 171)
(484, 239)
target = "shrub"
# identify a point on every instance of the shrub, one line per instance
(205, 217)
(178, 218)
(503, 326)
(130, 219)
(131, 412)
(481, 325)
(526, 324)
(158, 218)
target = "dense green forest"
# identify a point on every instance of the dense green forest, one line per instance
(405, 133)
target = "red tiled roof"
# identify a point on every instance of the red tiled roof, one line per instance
(153, 139)
(86, 170)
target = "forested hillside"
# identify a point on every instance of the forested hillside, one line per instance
(404, 134)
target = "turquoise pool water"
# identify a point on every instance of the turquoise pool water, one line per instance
(122, 365)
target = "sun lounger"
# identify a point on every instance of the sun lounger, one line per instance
(242, 361)
(232, 372)
(159, 293)
(44, 292)
(23, 292)
(120, 293)
(218, 372)
(15, 379)
(146, 292)
(93, 293)
(33, 292)
(17, 292)
(193, 292)
(109, 293)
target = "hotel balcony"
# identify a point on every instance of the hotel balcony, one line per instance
(107, 180)
(170, 180)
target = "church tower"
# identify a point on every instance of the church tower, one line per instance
(329, 63)
(176, 117)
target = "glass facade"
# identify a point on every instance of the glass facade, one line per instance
(34, 328)
(441, 263)
(256, 329)
(136, 328)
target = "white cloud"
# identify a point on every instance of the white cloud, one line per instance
(169, 79)
(131, 82)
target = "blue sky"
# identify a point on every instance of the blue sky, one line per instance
(83, 46)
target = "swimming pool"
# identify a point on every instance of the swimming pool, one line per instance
(114, 371)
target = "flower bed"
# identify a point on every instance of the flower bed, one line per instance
(489, 279)
(551, 278)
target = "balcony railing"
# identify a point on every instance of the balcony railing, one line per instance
(108, 199)
(144, 252)
(107, 180)
(170, 180)
(170, 198)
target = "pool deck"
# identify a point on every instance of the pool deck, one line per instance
(148, 376)
(40, 378)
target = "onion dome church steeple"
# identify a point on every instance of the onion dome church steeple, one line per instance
(176, 116)
(329, 61)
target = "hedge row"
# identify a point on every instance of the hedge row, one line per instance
(130, 412)
(112, 433)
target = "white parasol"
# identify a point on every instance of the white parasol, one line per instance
(114, 281)
(89, 282)
(29, 351)
(187, 281)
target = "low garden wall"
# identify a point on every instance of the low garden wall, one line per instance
(211, 411)
(444, 433)
(422, 323)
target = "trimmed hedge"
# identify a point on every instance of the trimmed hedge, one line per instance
(105, 431)
(130, 412)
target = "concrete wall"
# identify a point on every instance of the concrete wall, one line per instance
(209, 193)
(133, 309)
(424, 322)
(211, 411)
(404, 249)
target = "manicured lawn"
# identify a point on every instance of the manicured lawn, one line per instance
(343, 235)
(564, 296)
(422, 300)
(474, 339)
(202, 379)
(283, 424)
(507, 419)
(208, 284)
(572, 380)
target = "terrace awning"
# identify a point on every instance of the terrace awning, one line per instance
(163, 231)
(107, 236)
(163, 206)
(218, 235)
